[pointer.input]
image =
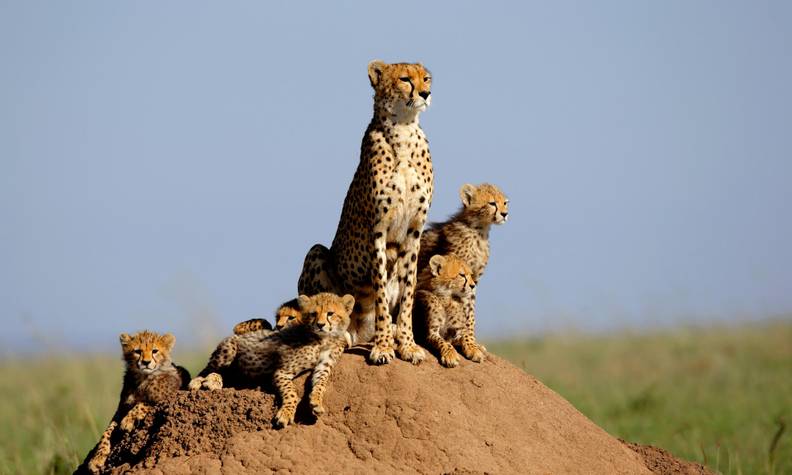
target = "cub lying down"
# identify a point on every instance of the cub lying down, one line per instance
(313, 345)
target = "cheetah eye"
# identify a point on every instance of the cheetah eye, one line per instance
(291, 317)
(427, 79)
(154, 351)
(137, 352)
(492, 203)
(330, 314)
(462, 274)
(506, 202)
(405, 79)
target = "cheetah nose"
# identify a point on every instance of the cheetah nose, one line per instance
(505, 215)
(472, 286)
(145, 362)
(424, 94)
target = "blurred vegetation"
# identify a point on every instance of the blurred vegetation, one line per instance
(720, 396)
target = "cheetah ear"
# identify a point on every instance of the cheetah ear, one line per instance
(436, 263)
(303, 301)
(168, 340)
(349, 303)
(467, 192)
(125, 339)
(375, 68)
(292, 304)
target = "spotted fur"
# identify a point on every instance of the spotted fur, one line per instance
(313, 345)
(444, 288)
(375, 250)
(466, 236)
(150, 379)
(288, 314)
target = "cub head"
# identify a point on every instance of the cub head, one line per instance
(146, 351)
(401, 87)
(288, 314)
(327, 312)
(451, 275)
(485, 202)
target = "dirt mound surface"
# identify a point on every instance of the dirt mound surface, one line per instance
(477, 418)
(661, 461)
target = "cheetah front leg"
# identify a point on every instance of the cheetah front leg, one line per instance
(471, 349)
(408, 269)
(320, 377)
(435, 320)
(102, 450)
(222, 357)
(284, 382)
(138, 412)
(382, 352)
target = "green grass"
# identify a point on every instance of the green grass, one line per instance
(711, 395)
(718, 396)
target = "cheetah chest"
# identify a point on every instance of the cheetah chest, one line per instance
(408, 192)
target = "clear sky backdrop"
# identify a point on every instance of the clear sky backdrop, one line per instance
(168, 164)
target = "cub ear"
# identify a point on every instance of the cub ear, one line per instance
(375, 68)
(292, 304)
(303, 301)
(436, 263)
(467, 192)
(349, 303)
(168, 340)
(124, 339)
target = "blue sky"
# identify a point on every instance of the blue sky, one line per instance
(167, 165)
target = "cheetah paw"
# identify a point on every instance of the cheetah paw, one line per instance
(412, 353)
(449, 358)
(196, 383)
(317, 409)
(213, 382)
(382, 354)
(284, 417)
(127, 424)
(96, 465)
(315, 401)
(476, 355)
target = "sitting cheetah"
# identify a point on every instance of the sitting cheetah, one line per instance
(466, 235)
(443, 289)
(316, 344)
(375, 250)
(150, 378)
(287, 314)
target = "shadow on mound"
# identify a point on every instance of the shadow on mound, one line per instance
(477, 418)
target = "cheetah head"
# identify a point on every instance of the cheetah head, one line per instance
(146, 351)
(451, 275)
(403, 88)
(287, 315)
(327, 312)
(485, 202)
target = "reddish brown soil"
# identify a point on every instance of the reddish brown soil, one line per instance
(662, 462)
(477, 418)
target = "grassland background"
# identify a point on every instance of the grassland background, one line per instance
(719, 396)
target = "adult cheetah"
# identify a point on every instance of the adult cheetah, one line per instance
(375, 250)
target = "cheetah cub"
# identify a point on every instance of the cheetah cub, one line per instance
(150, 378)
(444, 288)
(288, 314)
(466, 236)
(313, 345)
